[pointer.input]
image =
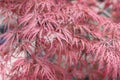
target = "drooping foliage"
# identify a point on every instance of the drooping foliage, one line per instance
(59, 40)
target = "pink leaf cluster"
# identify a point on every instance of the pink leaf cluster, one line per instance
(58, 40)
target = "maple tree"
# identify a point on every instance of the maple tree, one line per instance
(60, 40)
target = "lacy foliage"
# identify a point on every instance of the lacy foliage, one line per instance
(58, 40)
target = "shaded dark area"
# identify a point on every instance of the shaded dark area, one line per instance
(101, 0)
(86, 78)
(2, 40)
(28, 56)
(3, 29)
